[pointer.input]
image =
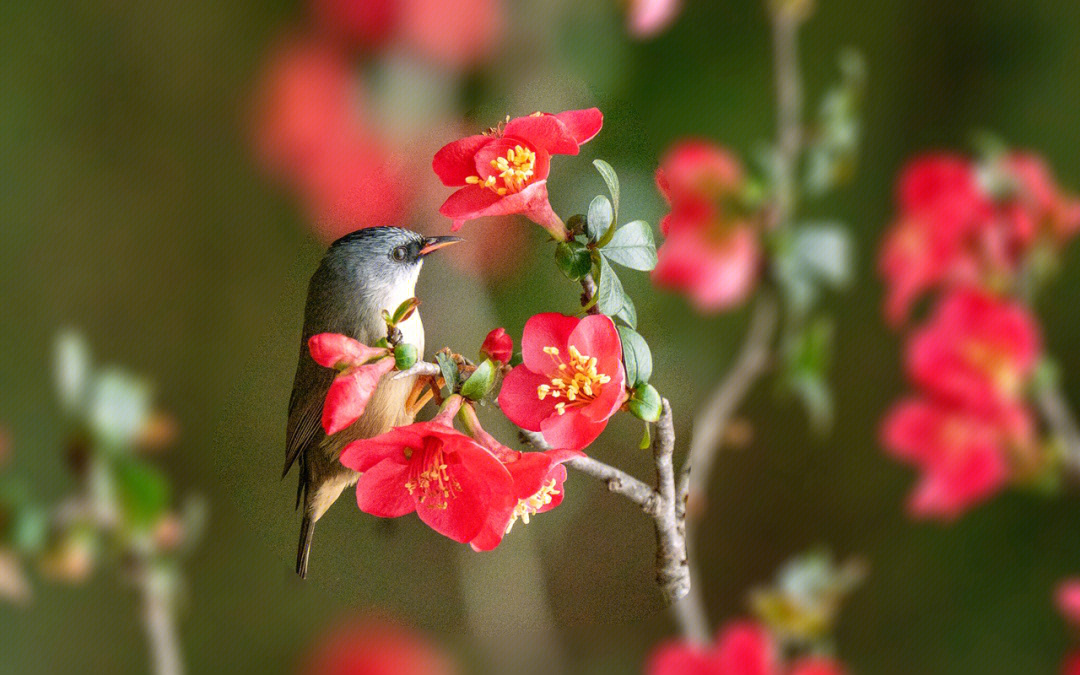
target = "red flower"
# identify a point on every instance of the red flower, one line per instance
(1067, 597)
(741, 648)
(450, 481)
(366, 23)
(572, 379)
(350, 391)
(311, 133)
(498, 346)
(456, 33)
(964, 458)
(505, 171)
(977, 351)
(373, 646)
(1071, 666)
(710, 253)
(1041, 198)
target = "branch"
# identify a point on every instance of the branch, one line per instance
(588, 292)
(1055, 410)
(159, 618)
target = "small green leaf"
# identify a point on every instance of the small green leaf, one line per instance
(645, 403)
(600, 218)
(405, 310)
(143, 491)
(610, 296)
(636, 356)
(405, 356)
(646, 438)
(480, 382)
(449, 370)
(611, 179)
(633, 246)
(573, 260)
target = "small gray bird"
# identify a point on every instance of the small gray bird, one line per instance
(362, 274)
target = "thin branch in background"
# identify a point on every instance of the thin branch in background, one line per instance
(159, 608)
(1055, 410)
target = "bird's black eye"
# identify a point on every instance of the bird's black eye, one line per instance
(401, 253)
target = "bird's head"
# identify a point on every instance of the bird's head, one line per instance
(386, 257)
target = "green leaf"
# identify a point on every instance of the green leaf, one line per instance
(573, 260)
(405, 310)
(600, 218)
(611, 299)
(646, 438)
(816, 397)
(480, 382)
(824, 252)
(405, 356)
(143, 491)
(611, 179)
(449, 370)
(633, 246)
(645, 403)
(636, 356)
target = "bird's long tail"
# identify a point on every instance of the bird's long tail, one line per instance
(303, 550)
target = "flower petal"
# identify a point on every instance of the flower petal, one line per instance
(582, 124)
(381, 490)
(549, 329)
(543, 132)
(519, 402)
(349, 394)
(332, 350)
(485, 485)
(680, 658)
(571, 430)
(746, 648)
(456, 161)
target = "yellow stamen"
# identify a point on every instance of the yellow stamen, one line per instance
(528, 507)
(516, 169)
(577, 380)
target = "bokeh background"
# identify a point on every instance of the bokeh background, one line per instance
(135, 208)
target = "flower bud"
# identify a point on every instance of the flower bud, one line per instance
(498, 346)
(405, 356)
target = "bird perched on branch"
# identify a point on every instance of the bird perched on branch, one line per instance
(361, 275)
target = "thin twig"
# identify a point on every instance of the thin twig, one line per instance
(159, 617)
(588, 292)
(1055, 410)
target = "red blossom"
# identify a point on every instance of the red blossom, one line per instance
(455, 33)
(1039, 195)
(1067, 597)
(373, 646)
(452, 482)
(649, 17)
(977, 351)
(350, 391)
(1071, 665)
(964, 458)
(571, 381)
(505, 171)
(364, 23)
(741, 648)
(710, 252)
(498, 346)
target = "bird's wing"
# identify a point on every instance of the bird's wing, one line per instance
(305, 407)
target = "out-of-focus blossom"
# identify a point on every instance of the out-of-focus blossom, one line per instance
(571, 381)
(1067, 597)
(455, 33)
(964, 458)
(364, 23)
(649, 17)
(310, 131)
(373, 646)
(960, 222)
(454, 484)
(498, 346)
(505, 171)
(1071, 666)
(711, 252)
(14, 585)
(741, 648)
(977, 351)
(353, 387)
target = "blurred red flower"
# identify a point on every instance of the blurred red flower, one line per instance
(954, 226)
(364, 23)
(498, 346)
(455, 33)
(373, 646)
(741, 648)
(1067, 597)
(310, 133)
(710, 252)
(977, 351)
(1071, 666)
(505, 171)
(964, 457)
(350, 391)
(571, 382)
(454, 484)
(649, 17)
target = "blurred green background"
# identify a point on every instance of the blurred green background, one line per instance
(134, 211)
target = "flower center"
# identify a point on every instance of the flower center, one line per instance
(515, 170)
(428, 474)
(577, 380)
(995, 363)
(527, 507)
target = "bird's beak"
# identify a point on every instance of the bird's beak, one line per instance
(435, 243)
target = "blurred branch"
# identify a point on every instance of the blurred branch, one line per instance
(1055, 409)
(159, 615)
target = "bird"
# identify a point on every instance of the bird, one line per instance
(362, 274)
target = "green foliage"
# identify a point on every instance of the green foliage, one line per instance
(449, 370)
(645, 403)
(612, 181)
(633, 246)
(599, 219)
(405, 356)
(480, 382)
(573, 260)
(833, 151)
(807, 358)
(812, 257)
(636, 356)
(610, 296)
(142, 490)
